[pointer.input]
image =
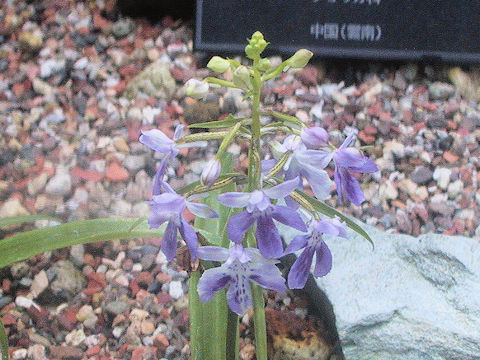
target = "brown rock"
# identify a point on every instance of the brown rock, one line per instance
(116, 173)
(65, 353)
(291, 338)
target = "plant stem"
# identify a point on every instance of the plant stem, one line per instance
(232, 336)
(254, 176)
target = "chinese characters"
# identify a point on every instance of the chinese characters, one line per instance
(348, 32)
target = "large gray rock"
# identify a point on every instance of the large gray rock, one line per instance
(155, 81)
(409, 298)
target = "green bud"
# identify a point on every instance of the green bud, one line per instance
(241, 77)
(255, 45)
(300, 59)
(218, 64)
(264, 65)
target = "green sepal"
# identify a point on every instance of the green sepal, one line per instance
(219, 124)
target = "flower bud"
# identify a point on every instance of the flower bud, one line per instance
(241, 77)
(210, 173)
(300, 59)
(218, 64)
(314, 137)
(264, 65)
(196, 89)
(255, 45)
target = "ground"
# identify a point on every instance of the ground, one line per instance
(73, 101)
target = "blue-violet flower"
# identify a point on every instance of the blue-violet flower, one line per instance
(168, 207)
(259, 209)
(241, 267)
(313, 244)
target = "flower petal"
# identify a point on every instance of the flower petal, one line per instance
(169, 241)
(158, 141)
(318, 180)
(201, 210)
(314, 137)
(212, 280)
(267, 165)
(354, 159)
(298, 275)
(348, 141)
(238, 224)
(288, 216)
(213, 253)
(283, 189)
(267, 276)
(348, 186)
(330, 227)
(239, 296)
(190, 236)
(268, 238)
(178, 132)
(298, 242)
(315, 158)
(234, 199)
(323, 263)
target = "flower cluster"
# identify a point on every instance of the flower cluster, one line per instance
(273, 194)
(308, 154)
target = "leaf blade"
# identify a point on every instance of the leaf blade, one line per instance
(24, 245)
(25, 218)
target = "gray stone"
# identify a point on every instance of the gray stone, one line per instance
(68, 280)
(409, 298)
(440, 91)
(122, 28)
(117, 307)
(134, 162)
(59, 185)
(421, 175)
(155, 81)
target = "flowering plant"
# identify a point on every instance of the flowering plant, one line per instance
(244, 209)
(234, 244)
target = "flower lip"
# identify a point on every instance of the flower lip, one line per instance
(314, 137)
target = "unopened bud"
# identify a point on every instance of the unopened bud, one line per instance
(211, 172)
(255, 45)
(264, 65)
(218, 64)
(241, 77)
(196, 89)
(300, 59)
(315, 137)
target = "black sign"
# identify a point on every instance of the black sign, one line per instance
(447, 30)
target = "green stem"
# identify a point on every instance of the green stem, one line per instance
(232, 336)
(254, 176)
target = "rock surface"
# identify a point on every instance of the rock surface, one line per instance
(409, 298)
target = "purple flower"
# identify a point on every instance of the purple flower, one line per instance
(307, 163)
(161, 143)
(315, 137)
(348, 159)
(260, 210)
(313, 244)
(240, 268)
(168, 207)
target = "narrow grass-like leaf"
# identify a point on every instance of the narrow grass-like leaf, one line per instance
(229, 121)
(3, 341)
(25, 219)
(323, 208)
(24, 245)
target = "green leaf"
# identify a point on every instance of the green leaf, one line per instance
(24, 245)
(208, 322)
(325, 209)
(25, 219)
(187, 188)
(229, 121)
(3, 341)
